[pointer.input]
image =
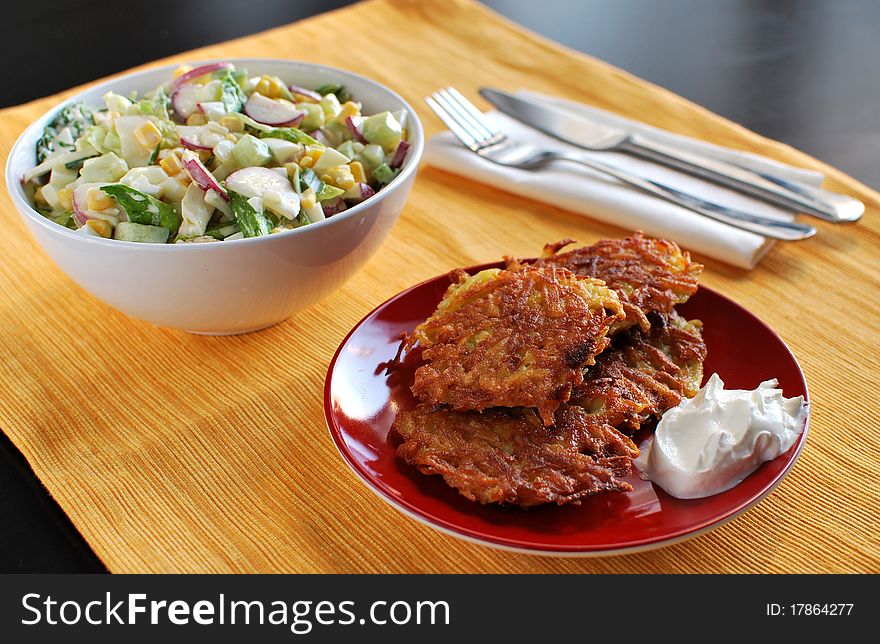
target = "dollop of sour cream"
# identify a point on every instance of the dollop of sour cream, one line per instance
(710, 443)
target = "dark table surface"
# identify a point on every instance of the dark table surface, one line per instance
(801, 71)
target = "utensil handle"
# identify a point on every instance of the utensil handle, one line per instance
(784, 230)
(830, 206)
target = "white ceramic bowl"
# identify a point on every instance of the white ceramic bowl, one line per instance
(232, 286)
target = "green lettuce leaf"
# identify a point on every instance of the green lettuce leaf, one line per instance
(142, 208)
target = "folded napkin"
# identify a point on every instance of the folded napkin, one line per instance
(584, 191)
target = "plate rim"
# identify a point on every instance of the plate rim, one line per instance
(511, 545)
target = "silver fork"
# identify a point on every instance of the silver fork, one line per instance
(471, 127)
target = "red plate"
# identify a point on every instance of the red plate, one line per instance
(360, 402)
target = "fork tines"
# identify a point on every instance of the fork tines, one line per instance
(463, 119)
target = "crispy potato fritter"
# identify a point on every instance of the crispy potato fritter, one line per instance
(649, 275)
(535, 376)
(513, 339)
(643, 374)
(508, 456)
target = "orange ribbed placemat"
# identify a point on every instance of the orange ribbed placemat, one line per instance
(172, 452)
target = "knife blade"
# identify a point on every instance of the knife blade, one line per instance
(585, 133)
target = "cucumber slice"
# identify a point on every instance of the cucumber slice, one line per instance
(329, 192)
(288, 134)
(130, 231)
(384, 174)
(382, 129)
(374, 155)
(251, 151)
(352, 148)
(103, 169)
(314, 118)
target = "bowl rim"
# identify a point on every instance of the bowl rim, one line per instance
(13, 183)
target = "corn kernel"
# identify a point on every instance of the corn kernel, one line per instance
(65, 198)
(180, 71)
(231, 123)
(183, 179)
(349, 108)
(103, 228)
(262, 86)
(269, 87)
(171, 165)
(232, 137)
(357, 171)
(97, 199)
(340, 176)
(148, 135)
(309, 198)
(196, 118)
(291, 168)
(278, 89)
(315, 152)
(306, 162)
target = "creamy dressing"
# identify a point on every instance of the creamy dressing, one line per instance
(710, 443)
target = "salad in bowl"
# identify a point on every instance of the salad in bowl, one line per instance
(292, 253)
(212, 155)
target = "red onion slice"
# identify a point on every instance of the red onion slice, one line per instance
(399, 155)
(307, 93)
(192, 74)
(355, 131)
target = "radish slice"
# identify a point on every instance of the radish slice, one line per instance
(272, 112)
(318, 135)
(186, 99)
(334, 206)
(183, 79)
(201, 175)
(201, 137)
(358, 192)
(79, 213)
(272, 187)
(191, 139)
(311, 95)
(399, 155)
(355, 131)
(366, 191)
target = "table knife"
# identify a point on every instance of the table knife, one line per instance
(589, 135)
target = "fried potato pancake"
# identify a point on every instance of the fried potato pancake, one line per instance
(643, 374)
(518, 338)
(526, 397)
(508, 456)
(649, 275)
